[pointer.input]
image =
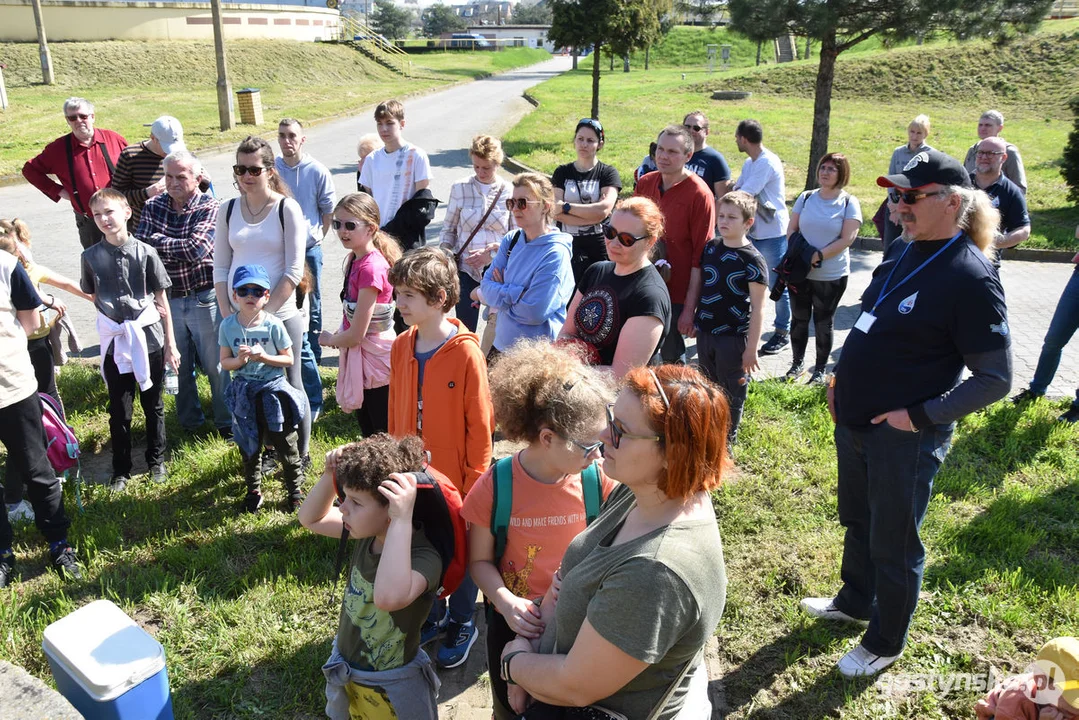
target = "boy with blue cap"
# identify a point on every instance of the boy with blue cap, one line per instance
(256, 349)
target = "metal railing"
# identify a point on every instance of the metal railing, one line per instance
(356, 31)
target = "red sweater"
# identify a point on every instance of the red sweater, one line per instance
(689, 215)
(91, 170)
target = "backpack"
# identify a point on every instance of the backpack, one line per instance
(438, 511)
(502, 502)
(61, 445)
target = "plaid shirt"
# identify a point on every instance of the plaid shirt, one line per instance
(184, 239)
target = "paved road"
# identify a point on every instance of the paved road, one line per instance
(443, 124)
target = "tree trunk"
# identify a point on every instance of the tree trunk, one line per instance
(574, 58)
(809, 46)
(612, 62)
(595, 81)
(647, 53)
(822, 107)
(625, 63)
(759, 44)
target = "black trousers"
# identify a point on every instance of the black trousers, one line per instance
(89, 235)
(122, 388)
(498, 636)
(285, 442)
(817, 299)
(41, 358)
(23, 436)
(587, 250)
(720, 359)
(374, 415)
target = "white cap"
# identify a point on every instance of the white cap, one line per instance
(169, 133)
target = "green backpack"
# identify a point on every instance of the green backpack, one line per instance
(502, 502)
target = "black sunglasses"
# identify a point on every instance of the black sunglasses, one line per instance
(520, 203)
(243, 170)
(910, 196)
(78, 116)
(349, 225)
(624, 238)
(695, 128)
(251, 291)
(593, 124)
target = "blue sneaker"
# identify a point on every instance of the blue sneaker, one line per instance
(431, 630)
(459, 640)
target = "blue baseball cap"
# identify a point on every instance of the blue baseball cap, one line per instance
(251, 275)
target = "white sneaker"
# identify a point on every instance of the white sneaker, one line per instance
(20, 512)
(825, 609)
(859, 662)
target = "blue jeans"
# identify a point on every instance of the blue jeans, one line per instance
(312, 381)
(1061, 329)
(313, 257)
(467, 314)
(773, 249)
(462, 603)
(195, 323)
(885, 481)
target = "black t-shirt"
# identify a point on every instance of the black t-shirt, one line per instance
(726, 273)
(914, 350)
(23, 293)
(584, 187)
(609, 300)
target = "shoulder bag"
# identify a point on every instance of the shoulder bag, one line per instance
(486, 214)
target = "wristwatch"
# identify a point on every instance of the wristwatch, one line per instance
(505, 673)
(565, 208)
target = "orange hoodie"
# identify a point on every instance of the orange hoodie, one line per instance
(457, 414)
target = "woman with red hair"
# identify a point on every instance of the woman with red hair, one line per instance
(643, 588)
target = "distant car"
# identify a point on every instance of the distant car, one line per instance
(469, 41)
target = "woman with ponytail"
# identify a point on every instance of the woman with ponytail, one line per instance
(366, 334)
(265, 226)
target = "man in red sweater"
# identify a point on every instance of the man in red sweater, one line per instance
(689, 213)
(83, 162)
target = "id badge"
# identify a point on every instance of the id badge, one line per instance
(865, 321)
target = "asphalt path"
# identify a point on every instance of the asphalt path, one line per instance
(442, 123)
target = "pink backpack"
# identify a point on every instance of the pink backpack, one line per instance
(61, 445)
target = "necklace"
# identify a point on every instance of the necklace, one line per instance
(251, 212)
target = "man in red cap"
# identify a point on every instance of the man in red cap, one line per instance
(934, 307)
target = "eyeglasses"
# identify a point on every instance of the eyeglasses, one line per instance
(617, 433)
(78, 116)
(910, 196)
(624, 238)
(347, 225)
(695, 128)
(241, 170)
(587, 450)
(989, 153)
(251, 291)
(520, 203)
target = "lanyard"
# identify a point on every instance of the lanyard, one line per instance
(884, 292)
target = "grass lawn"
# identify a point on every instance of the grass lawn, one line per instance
(869, 115)
(131, 83)
(242, 603)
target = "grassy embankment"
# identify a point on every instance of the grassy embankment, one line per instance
(240, 602)
(131, 83)
(877, 92)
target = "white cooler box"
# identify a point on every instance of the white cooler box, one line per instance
(107, 666)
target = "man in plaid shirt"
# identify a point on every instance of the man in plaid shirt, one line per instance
(180, 225)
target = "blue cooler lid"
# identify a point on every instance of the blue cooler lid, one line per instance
(103, 649)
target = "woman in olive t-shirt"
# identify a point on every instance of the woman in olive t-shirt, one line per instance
(643, 587)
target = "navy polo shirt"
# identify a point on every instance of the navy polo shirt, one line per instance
(914, 350)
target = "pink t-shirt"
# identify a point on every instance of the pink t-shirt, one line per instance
(370, 271)
(544, 518)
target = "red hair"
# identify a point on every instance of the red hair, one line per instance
(694, 427)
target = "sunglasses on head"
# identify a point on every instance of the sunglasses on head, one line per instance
(624, 238)
(910, 196)
(520, 203)
(350, 225)
(241, 170)
(695, 128)
(251, 291)
(78, 116)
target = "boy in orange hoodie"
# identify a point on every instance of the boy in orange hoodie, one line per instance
(439, 391)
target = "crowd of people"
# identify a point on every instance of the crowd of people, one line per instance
(595, 547)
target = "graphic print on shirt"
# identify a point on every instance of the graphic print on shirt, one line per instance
(369, 703)
(907, 304)
(384, 641)
(597, 315)
(516, 581)
(725, 292)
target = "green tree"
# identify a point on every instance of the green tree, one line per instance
(538, 14)
(703, 11)
(1070, 164)
(620, 25)
(439, 19)
(390, 21)
(839, 25)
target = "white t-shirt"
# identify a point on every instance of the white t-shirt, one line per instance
(821, 222)
(763, 179)
(392, 177)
